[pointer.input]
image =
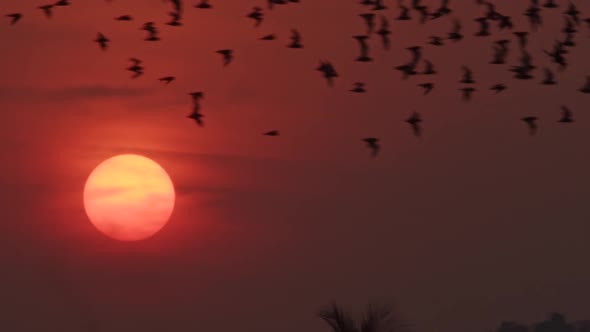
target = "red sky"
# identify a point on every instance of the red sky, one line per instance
(471, 224)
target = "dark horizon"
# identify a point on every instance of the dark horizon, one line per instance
(292, 192)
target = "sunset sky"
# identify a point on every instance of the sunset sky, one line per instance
(473, 223)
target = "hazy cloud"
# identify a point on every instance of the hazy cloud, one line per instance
(99, 91)
(84, 92)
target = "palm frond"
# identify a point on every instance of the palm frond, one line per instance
(338, 319)
(380, 317)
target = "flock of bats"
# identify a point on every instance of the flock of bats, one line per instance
(414, 10)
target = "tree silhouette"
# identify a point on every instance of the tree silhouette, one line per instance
(510, 326)
(338, 319)
(378, 317)
(556, 322)
(582, 326)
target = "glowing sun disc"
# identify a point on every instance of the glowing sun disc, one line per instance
(129, 197)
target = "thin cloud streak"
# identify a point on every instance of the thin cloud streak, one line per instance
(71, 93)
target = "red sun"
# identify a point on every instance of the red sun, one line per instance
(129, 197)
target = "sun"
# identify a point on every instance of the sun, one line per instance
(129, 197)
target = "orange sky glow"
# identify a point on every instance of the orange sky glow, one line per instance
(473, 223)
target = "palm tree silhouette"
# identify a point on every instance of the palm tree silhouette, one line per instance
(378, 317)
